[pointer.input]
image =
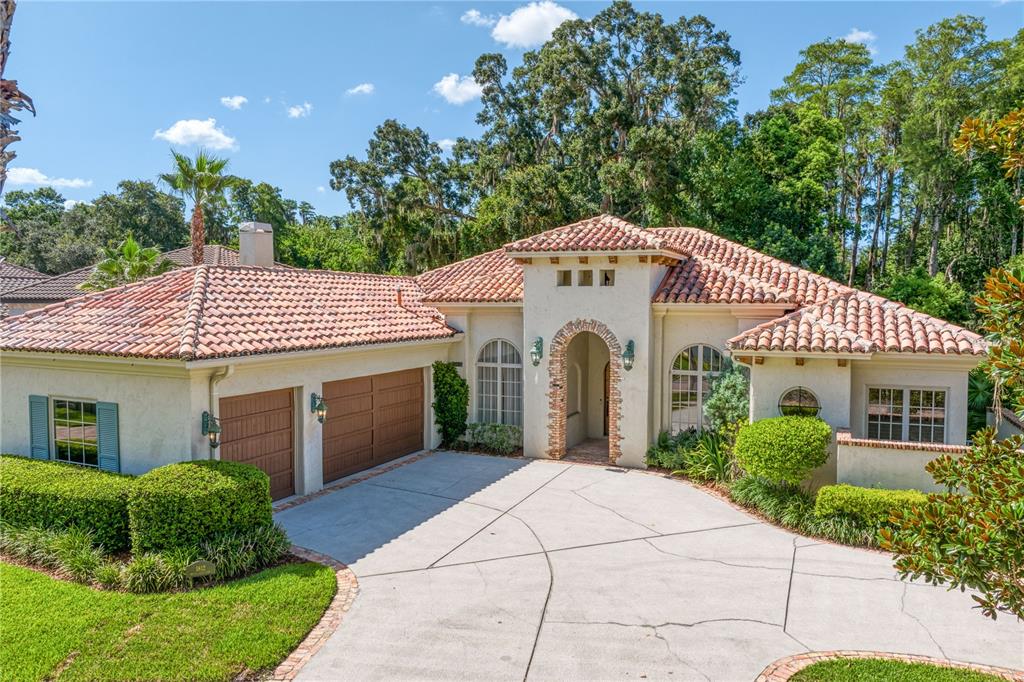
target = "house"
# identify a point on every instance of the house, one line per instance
(21, 293)
(599, 333)
(14, 277)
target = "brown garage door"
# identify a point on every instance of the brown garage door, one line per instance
(371, 420)
(257, 430)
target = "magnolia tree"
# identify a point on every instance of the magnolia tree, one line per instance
(972, 537)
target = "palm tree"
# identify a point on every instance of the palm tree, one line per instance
(127, 263)
(203, 182)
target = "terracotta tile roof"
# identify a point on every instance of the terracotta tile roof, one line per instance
(491, 277)
(225, 311)
(16, 276)
(600, 233)
(775, 280)
(65, 286)
(858, 322)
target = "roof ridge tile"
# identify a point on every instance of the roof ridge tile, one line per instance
(193, 315)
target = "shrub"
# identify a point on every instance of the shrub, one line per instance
(729, 401)
(55, 495)
(669, 451)
(783, 449)
(451, 402)
(108, 575)
(147, 573)
(69, 551)
(873, 506)
(710, 458)
(185, 504)
(501, 439)
(238, 553)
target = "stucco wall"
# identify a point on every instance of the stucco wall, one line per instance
(623, 308)
(949, 374)
(481, 325)
(886, 468)
(824, 377)
(153, 403)
(577, 358)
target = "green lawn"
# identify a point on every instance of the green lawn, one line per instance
(55, 628)
(865, 670)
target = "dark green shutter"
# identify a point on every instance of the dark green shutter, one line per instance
(107, 437)
(39, 426)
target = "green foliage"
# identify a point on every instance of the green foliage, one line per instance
(188, 503)
(149, 572)
(710, 458)
(783, 449)
(501, 439)
(451, 402)
(793, 508)
(980, 394)
(241, 552)
(669, 451)
(56, 629)
(729, 401)
(863, 669)
(55, 495)
(125, 264)
(932, 295)
(973, 540)
(870, 505)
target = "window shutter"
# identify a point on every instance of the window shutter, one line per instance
(39, 426)
(107, 437)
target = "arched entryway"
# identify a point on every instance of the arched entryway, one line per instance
(564, 372)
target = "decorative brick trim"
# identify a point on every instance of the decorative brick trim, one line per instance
(843, 437)
(784, 668)
(556, 389)
(352, 480)
(348, 587)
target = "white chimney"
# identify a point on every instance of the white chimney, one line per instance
(256, 244)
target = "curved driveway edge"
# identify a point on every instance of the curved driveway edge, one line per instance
(784, 668)
(348, 587)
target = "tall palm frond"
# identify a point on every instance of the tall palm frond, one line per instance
(128, 262)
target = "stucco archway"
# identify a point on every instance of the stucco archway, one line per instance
(557, 386)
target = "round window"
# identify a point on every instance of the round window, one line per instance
(799, 402)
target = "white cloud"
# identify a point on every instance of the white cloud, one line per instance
(458, 89)
(866, 38)
(193, 131)
(361, 89)
(300, 110)
(234, 102)
(321, 189)
(531, 25)
(266, 100)
(446, 144)
(34, 176)
(473, 17)
(71, 203)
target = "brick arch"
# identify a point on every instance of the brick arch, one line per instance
(557, 386)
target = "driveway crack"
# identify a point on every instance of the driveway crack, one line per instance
(613, 511)
(789, 589)
(713, 561)
(903, 610)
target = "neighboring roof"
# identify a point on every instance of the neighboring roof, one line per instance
(16, 276)
(491, 277)
(858, 322)
(227, 311)
(65, 286)
(600, 233)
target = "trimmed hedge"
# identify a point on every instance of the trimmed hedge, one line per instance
(185, 504)
(55, 495)
(451, 402)
(783, 449)
(501, 439)
(871, 505)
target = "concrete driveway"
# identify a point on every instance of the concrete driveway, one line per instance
(481, 568)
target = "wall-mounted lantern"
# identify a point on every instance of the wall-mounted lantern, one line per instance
(628, 356)
(211, 429)
(318, 407)
(537, 351)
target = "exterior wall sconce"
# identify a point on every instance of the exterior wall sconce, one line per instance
(318, 407)
(628, 355)
(211, 429)
(537, 351)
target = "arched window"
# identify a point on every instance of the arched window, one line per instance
(693, 372)
(499, 384)
(799, 402)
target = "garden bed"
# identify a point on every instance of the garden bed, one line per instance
(235, 630)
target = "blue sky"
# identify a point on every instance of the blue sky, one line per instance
(117, 84)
